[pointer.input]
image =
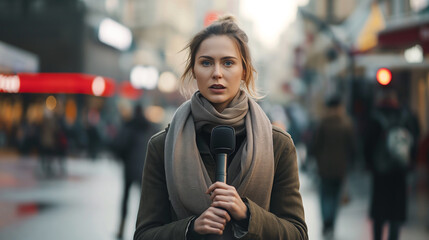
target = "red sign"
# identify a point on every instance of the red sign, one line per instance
(73, 83)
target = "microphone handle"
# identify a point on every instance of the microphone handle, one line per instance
(221, 159)
(221, 167)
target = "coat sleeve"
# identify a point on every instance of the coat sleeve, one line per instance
(285, 218)
(154, 219)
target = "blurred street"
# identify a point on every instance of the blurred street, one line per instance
(82, 205)
(85, 83)
(85, 203)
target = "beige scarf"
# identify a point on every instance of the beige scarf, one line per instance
(251, 171)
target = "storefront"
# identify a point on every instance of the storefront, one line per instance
(28, 97)
(410, 40)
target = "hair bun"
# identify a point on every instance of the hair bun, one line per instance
(226, 18)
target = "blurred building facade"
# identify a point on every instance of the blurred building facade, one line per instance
(346, 42)
(63, 37)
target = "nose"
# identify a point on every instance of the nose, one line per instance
(217, 71)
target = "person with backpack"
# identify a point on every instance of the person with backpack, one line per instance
(390, 146)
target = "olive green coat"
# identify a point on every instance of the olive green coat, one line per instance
(285, 219)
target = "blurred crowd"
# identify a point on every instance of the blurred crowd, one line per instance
(329, 148)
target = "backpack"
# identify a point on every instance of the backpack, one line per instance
(394, 146)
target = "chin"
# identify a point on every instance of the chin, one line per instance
(216, 101)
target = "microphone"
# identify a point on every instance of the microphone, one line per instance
(222, 144)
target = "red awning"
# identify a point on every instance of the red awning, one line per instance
(73, 83)
(406, 36)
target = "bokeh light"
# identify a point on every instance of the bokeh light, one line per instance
(167, 82)
(144, 77)
(384, 76)
(51, 102)
(154, 114)
(98, 86)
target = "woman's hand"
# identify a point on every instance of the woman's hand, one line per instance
(226, 197)
(211, 221)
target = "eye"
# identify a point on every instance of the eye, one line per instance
(228, 63)
(205, 63)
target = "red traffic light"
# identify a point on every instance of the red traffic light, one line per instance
(384, 76)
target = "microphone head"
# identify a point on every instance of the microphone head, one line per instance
(222, 140)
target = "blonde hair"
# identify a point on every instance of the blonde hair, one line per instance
(225, 25)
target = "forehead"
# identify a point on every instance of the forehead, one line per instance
(218, 46)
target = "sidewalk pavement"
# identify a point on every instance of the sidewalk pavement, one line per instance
(85, 204)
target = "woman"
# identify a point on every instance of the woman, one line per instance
(179, 198)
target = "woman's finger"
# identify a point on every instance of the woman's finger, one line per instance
(211, 221)
(218, 185)
(222, 213)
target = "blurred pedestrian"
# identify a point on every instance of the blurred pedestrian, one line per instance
(53, 146)
(390, 146)
(92, 131)
(61, 145)
(48, 143)
(130, 146)
(28, 136)
(333, 147)
(180, 198)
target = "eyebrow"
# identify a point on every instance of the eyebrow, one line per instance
(223, 58)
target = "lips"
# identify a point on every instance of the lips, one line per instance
(217, 86)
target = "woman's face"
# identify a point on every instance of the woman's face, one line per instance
(218, 70)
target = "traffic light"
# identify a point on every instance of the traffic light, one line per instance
(384, 76)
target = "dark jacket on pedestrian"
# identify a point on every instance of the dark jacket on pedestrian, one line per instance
(389, 191)
(130, 146)
(333, 146)
(284, 220)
